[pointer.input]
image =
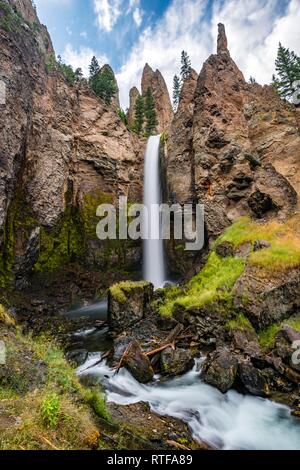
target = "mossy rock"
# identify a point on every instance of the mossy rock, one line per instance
(128, 303)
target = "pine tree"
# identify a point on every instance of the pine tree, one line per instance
(176, 92)
(150, 113)
(288, 70)
(185, 65)
(94, 68)
(139, 112)
(78, 74)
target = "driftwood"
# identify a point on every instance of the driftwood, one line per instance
(176, 445)
(104, 356)
(169, 343)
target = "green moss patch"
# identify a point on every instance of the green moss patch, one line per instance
(240, 322)
(120, 291)
(284, 251)
(214, 283)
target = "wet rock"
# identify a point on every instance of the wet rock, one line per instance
(176, 361)
(138, 364)
(225, 249)
(120, 345)
(220, 369)
(217, 139)
(260, 203)
(128, 303)
(253, 380)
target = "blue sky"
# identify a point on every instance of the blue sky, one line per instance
(128, 33)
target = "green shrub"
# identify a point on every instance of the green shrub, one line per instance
(50, 411)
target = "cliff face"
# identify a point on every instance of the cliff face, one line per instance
(156, 82)
(133, 96)
(240, 151)
(63, 152)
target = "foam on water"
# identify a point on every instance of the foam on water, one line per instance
(230, 421)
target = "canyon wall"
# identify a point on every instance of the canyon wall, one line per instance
(234, 146)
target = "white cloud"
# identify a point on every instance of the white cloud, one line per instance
(81, 58)
(84, 34)
(162, 44)
(69, 31)
(254, 29)
(107, 13)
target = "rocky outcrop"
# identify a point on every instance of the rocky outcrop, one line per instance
(63, 152)
(133, 96)
(222, 40)
(156, 82)
(238, 154)
(267, 302)
(128, 303)
(220, 369)
(180, 143)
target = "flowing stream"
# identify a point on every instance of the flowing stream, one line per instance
(153, 263)
(229, 422)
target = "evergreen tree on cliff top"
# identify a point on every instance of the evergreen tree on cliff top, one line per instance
(185, 65)
(150, 113)
(139, 115)
(102, 82)
(288, 72)
(94, 68)
(176, 92)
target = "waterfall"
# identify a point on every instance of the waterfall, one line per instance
(153, 263)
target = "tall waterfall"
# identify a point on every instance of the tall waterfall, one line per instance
(154, 263)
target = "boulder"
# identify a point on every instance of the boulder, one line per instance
(176, 361)
(253, 380)
(138, 363)
(220, 369)
(128, 303)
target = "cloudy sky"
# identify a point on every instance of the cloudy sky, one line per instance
(128, 33)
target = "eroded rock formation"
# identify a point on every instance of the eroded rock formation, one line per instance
(156, 82)
(236, 146)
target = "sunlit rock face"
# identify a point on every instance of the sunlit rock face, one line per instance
(237, 145)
